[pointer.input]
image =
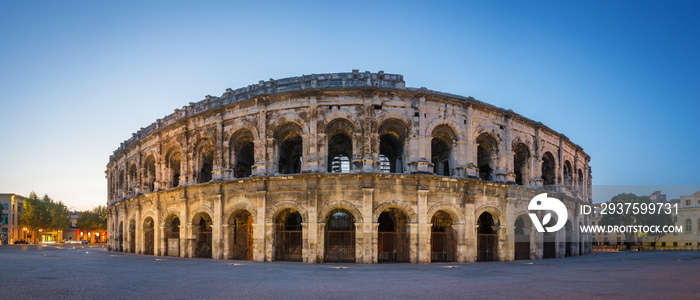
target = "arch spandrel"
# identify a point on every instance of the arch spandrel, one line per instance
(201, 209)
(452, 209)
(282, 205)
(241, 206)
(326, 210)
(403, 206)
(340, 115)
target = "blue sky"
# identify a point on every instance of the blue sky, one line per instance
(619, 78)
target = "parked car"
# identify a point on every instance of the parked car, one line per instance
(83, 241)
(21, 242)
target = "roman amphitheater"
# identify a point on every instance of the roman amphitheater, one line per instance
(344, 167)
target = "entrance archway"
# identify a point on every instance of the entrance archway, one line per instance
(132, 236)
(393, 236)
(148, 236)
(288, 236)
(121, 237)
(201, 228)
(171, 235)
(522, 240)
(340, 237)
(241, 235)
(487, 238)
(443, 239)
(549, 245)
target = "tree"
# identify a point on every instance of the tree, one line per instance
(657, 219)
(625, 217)
(45, 214)
(93, 220)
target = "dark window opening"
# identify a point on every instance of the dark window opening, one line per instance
(440, 152)
(548, 169)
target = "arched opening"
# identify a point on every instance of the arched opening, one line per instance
(148, 236)
(290, 149)
(339, 156)
(132, 236)
(173, 163)
(521, 164)
(486, 156)
(580, 179)
(122, 182)
(522, 239)
(241, 235)
(133, 176)
(121, 237)
(340, 237)
(205, 161)
(288, 236)
(487, 238)
(441, 149)
(393, 240)
(339, 153)
(201, 228)
(443, 239)
(568, 174)
(569, 251)
(392, 135)
(242, 153)
(171, 235)
(549, 245)
(149, 173)
(549, 168)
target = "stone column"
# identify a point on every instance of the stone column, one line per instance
(370, 235)
(217, 232)
(259, 230)
(423, 228)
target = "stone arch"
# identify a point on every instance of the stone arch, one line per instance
(381, 119)
(495, 212)
(342, 115)
(356, 214)
(452, 209)
(202, 136)
(520, 140)
(170, 147)
(241, 125)
(491, 132)
(403, 206)
(457, 130)
(200, 209)
(282, 205)
(287, 118)
(147, 214)
(168, 214)
(233, 209)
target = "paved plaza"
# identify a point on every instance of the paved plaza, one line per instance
(78, 271)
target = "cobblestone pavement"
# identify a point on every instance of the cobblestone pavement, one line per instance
(83, 272)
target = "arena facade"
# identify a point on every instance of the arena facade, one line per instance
(344, 167)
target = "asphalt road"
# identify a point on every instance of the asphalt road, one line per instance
(94, 273)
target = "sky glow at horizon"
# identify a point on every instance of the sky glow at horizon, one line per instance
(77, 78)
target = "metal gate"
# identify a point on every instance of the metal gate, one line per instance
(172, 247)
(241, 238)
(550, 246)
(148, 242)
(443, 246)
(340, 246)
(393, 247)
(487, 247)
(203, 247)
(132, 240)
(522, 250)
(288, 245)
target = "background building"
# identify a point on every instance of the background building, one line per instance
(10, 229)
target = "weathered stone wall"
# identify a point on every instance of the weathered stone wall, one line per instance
(447, 153)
